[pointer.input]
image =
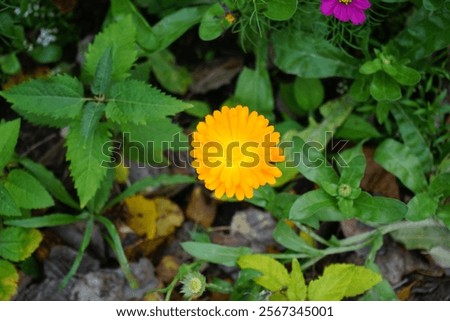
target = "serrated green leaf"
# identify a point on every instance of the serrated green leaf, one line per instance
(27, 191)
(9, 279)
(297, 288)
(218, 254)
(413, 138)
(309, 93)
(381, 210)
(87, 161)
(8, 206)
(420, 207)
(274, 275)
(90, 119)
(172, 77)
(253, 89)
(342, 281)
(102, 78)
(120, 36)
(49, 181)
(136, 102)
(17, 243)
(213, 23)
(308, 56)
(384, 88)
(356, 128)
(398, 160)
(315, 203)
(144, 33)
(9, 133)
(280, 10)
(58, 97)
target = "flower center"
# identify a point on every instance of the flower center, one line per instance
(344, 190)
(345, 1)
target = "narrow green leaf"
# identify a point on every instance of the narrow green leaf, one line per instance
(17, 243)
(404, 75)
(254, 89)
(96, 204)
(413, 138)
(342, 281)
(308, 56)
(26, 190)
(47, 220)
(353, 173)
(90, 120)
(136, 102)
(120, 36)
(370, 67)
(8, 206)
(49, 181)
(88, 161)
(420, 207)
(218, 254)
(384, 88)
(118, 250)
(285, 236)
(58, 97)
(9, 133)
(315, 203)
(381, 210)
(297, 287)
(9, 279)
(83, 246)
(280, 10)
(102, 78)
(145, 36)
(399, 160)
(309, 93)
(274, 275)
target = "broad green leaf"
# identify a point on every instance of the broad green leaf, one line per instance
(381, 210)
(370, 67)
(88, 161)
(297, 288)
(353, 173)
(312, 163)
(218, 254)
(172, 77)
(384, 88)
(399, 160)
(17, 243)
(443, 213)
(382, 291)
(359, 89)
(90, 119)
(254, 90)
(213, 23)
(49, 181)
(27, 191)
(280, 10)
(424, 34)
(413, 138)
(174, 25)
(120, 36)
(403, 75)
(48, 220)
(315, 203)
(59, 97)
(274, 275)
(439, 185)
(341, 281)
(356, 128)
(145, 36)
(285, 236)
(9, 63)
(309, 93)
(9, 279)
(424, 238)
(48, 54)
(136, 102)
(142, 184)
(9, 133)
(103, 72)
(309, 56)
(280, 206)
(420, 207)
(8, 206)
(200, 109)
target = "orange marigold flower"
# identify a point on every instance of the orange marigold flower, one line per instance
(234, 151)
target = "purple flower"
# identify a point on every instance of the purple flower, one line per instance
(346, 10)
